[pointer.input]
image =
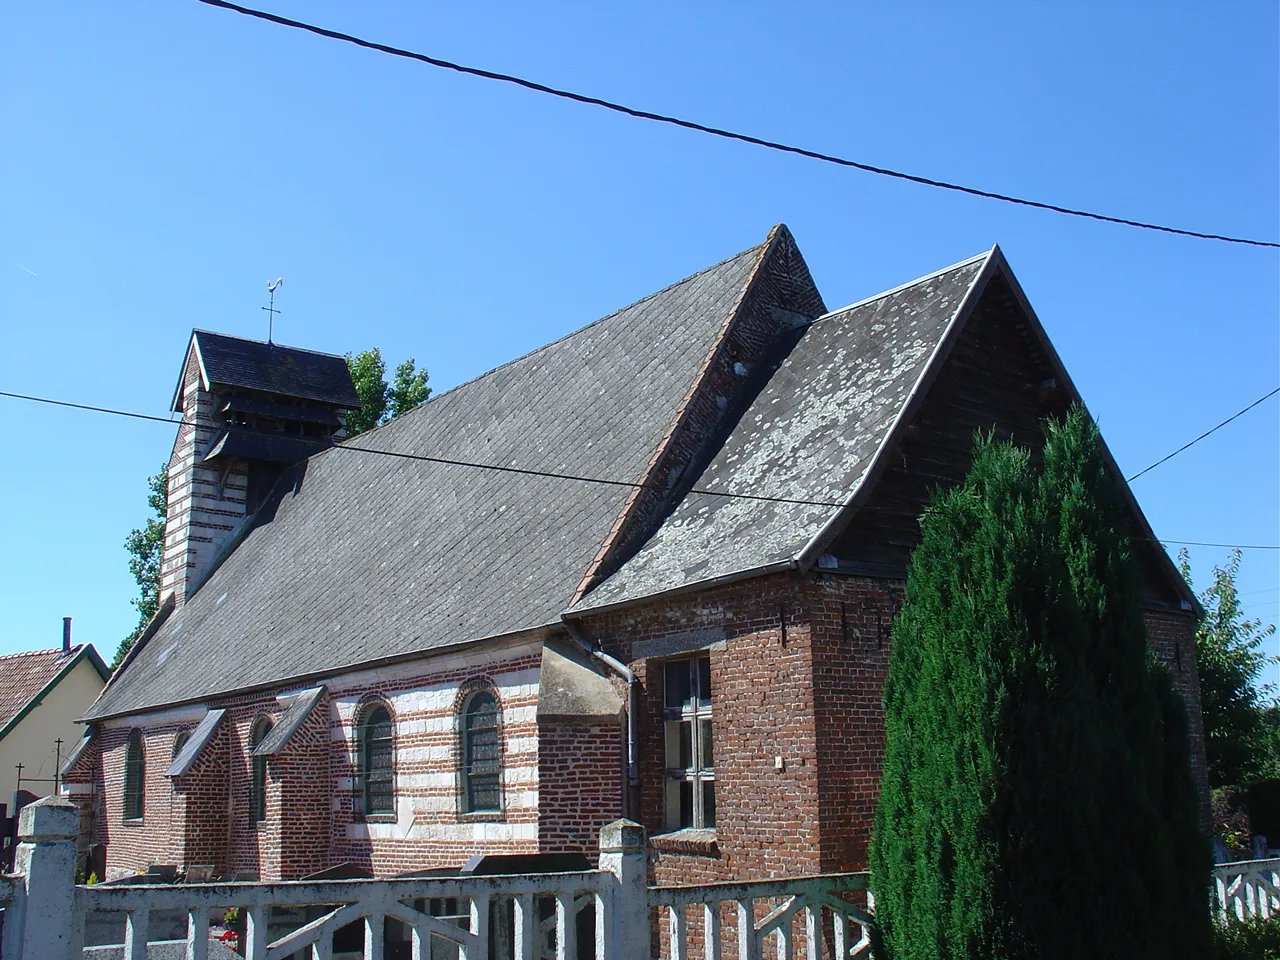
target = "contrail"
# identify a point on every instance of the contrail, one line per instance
(32, 272)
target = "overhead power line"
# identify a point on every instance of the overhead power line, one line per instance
(446, 461)
(1192, 443)
(718, 131)
(500, 468)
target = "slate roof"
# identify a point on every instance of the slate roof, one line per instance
(358, 557)
(810, 435)
(23, 676)
(272, 368)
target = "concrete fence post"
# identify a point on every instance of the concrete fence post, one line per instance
(38, 923)
(623, 853)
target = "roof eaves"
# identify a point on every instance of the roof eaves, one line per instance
(72, 758)
(295, 714)
(98, 663)
(777, 566)
(527, 633)
(817, 544)
(199, 739)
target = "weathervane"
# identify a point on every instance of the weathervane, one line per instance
(272, 287)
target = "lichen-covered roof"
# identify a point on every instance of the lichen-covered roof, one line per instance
(358, 557)
(810, 435)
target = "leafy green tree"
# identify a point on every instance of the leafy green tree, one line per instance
(145, 546)
(383, 401)
(1238, 737)
(407, 390)
(1035, 749)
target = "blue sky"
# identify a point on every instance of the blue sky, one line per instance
(161, 161)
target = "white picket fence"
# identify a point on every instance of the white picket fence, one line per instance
(48, 917)
(1247, 888)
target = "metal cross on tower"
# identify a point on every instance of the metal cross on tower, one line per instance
(272, 287)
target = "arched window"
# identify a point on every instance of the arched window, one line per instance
(258, 775)
(481, 754)
(376, 787)
(179, 742)
(135, 773)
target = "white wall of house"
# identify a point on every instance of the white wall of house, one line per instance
(31, 742)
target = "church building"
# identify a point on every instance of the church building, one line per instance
(647, 570)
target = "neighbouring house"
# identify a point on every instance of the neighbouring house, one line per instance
(43, 694)
(372, 654)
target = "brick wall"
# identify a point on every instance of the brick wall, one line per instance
(811, 699)
(203, 817)
(201, 804)
(155, 837)
(766, 816)
(581, 772)
(798, 666)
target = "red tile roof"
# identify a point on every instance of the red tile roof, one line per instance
(23, 675)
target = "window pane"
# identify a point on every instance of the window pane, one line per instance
(134, 776)
(677, 683)
(672, 818)
(708, 803)
(483, 792)
(482, 754)
(686, 803)
(378, 767)
(705, 758)
(672, 733)
(704, 681)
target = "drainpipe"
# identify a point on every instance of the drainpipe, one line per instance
(633, 714)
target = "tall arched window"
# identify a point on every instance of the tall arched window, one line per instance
(376, 789)
(135, 774)
(481, 754)
(179, 742)
(258, 775)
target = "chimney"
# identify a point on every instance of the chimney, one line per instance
(249, 411)
(66, 635)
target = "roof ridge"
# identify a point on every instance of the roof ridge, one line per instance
(830, 314)
(32, 653)
(267, 343)
(573, 333)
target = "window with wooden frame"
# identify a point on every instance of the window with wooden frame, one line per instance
(135, 775)
(481, 750)
(258, 772)
(690, 798)
(375, 781)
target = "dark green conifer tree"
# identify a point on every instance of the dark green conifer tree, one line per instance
(1037, 799)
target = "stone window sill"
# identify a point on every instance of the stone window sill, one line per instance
(132, 821)
(690, 841)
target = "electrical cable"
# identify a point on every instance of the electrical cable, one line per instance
(1192, 443)
(500, 468)
(632, 484)
(718, 131)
